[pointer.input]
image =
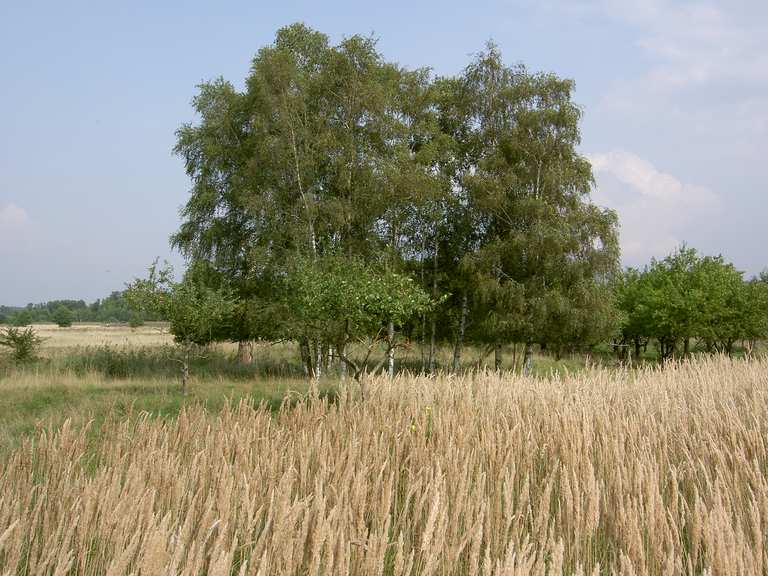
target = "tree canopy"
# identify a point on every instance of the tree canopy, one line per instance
(336, 161)
(687, 296)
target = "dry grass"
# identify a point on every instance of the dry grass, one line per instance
(600, 473)
(61, 341)
(83, 334)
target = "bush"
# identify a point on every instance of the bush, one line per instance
(24, 344)
(21, 318)
(136, 320)
(62, 316)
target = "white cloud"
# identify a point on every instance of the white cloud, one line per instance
(644, 178)
(692, 46)
(12, 217)
(703, 67)
(655, 209)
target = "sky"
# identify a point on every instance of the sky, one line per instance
(674, 96)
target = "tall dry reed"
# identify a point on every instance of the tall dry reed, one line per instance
(655, 472)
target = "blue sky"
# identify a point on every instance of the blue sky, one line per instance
(675, 100)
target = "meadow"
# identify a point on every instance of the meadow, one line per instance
(92, 371)
(590, 471)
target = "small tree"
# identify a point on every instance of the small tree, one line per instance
(62, 316)
(24, 344)
(21, 318)
(136, 319)
(340, 301)
(195, 311)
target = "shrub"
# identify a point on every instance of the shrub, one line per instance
(136, 320)
(62, 316)
(24, 344)
(21, 318)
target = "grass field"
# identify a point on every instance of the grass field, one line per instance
(605, 472)
(91, 371)
(105, 468)
(83, 334)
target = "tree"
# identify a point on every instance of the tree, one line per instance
(629, 292)
(320, 155)
(729, 308)
(686, 297)
(471, 186)
(195, 311)
(24, 344)
(672, 300)
(343, 301)
(21, 318)
(545, 256)
(62, 316)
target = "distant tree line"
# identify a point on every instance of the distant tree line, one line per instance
(113, 308)
(688, 301)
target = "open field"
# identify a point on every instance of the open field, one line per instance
(155, 334)
(96, 371)
(84, 334)
(106, 468)
(604, 472)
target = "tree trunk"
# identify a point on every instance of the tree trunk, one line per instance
(433, 346)
(423, 343)
(527, 359)
(686, 347)
(185, 371)
(460, 337)
(245, 352)
(306, 358)
(637, 348)
(343, 365)
(497, 360)
(514, 356)
(318, 360)
(391, 349)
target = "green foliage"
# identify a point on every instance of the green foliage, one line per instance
(471, 186)
(21, 318)
(113, 308)
(542, 255)
(687, 296)
(337, 300)
(147, 362)
(195, 311)
(136, 320)
(62, 316)
(24, 344)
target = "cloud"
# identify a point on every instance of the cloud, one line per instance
(703, 67)
(656, 210)
(12, 217)
(643, 177)
(15, 234)
(688, 43)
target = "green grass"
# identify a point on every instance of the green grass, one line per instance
(36, 399)
(91, 383)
